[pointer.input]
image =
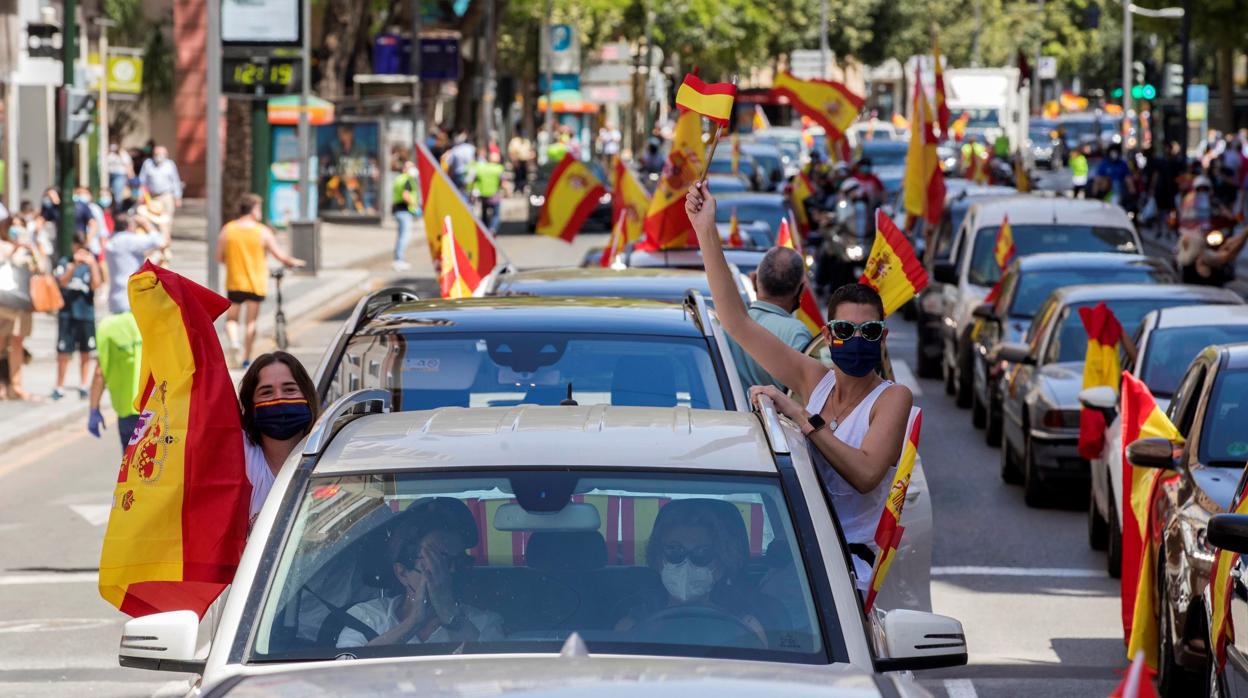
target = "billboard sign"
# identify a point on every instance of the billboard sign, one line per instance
(266, 22)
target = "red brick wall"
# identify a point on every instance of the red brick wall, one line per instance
(189, 97)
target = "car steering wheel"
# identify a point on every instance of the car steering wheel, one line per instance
(700, 625)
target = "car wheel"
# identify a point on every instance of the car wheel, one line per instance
(1113, 544)
(979, 412)
(962, 394)
(1009, 467)
(992, 434)
(1173, 679)
(1098, 527)
(1035, 494)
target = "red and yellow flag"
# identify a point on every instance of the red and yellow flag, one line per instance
(827, 103)
(1220, 593)
(179, 518)
(888, 531)
(1022, 178)
(736, 154)
(1141, 418)
(900, 122)
(808, 308)
(456, 275)
(440, 199)
(1100, 367)
(617, 241)
(628, 196)
(958, 127)
(571, 195)
(801, 190)
(760, 122)
(942, 104)
(924, 182)
(1137, 682)
(784, 237)
(710, 99)
(1004, 249)
(667, 225)
(892, 269)
(734, 231)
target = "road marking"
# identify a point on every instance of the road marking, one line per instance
(32, 451)
(902, 374)
(95, 514)
(984, 571)
(67, 578)
(35, 625)
(960, 688)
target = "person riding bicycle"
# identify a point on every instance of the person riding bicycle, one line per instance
(242, 248)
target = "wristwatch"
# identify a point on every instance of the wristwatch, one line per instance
(816, 423)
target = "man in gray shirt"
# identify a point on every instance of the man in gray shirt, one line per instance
(779, 280)
(125, 252)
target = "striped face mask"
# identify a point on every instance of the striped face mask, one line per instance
(283, 418)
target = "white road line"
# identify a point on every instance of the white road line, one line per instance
(960, 688)
(95, 514)
(172, 688)
(67, 578)
(903, 375)
(984, 571)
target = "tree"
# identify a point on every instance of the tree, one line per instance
(133, 28)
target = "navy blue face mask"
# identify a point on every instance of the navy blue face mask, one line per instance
(855, 356)
(283, 418)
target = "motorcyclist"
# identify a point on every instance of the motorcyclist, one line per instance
(872, 187)
(1207, 249)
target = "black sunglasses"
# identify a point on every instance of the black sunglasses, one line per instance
(702, 556)
(844, 330)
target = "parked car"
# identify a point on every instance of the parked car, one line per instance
(659, 284)
(770, 160)
(599, 219)
(565, 516)
(1040, 390)
(1166, 342)
(1026, 285)
(1210, 409)
(1038, 224)
(721, 164)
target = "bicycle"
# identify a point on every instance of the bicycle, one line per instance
(279, 317)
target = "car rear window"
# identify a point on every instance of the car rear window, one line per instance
(428, 370)
(1170, 351)
(1031, 239)
(1071, 343)
(1035, 286)
(704, 565)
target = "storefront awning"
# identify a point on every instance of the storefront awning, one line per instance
(284, 111)
(568, 102)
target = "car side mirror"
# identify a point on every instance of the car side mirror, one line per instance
(918, 640)
(985, 311)
(1100, 397)
(1229, 532)
(161, 642)
(945, 273)
(1153, 452)
(1014, 353)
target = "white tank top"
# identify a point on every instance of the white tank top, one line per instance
(260, 475)
(858, 512)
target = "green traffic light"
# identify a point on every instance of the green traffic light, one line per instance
(1137, 92)
(1116, 93)
(1149, 92)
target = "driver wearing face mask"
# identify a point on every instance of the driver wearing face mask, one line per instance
(279, 405)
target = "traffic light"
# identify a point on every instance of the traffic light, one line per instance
(1137, 73)
(1173, 85)
(1144, 91)
(77, 107)
(1115, 93)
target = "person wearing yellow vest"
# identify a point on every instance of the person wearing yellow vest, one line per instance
(243, 245)
(485, 180)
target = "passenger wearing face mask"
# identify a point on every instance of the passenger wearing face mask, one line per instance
(1207, 253)
(405, 205)
(279, 405)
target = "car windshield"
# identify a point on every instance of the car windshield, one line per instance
(427, 370)
(1035, 286)
(643, 563)
(884, 157)
(1072, 339)
(769, 213)
(1077, 129)
(770, 161)
(1170, 351)
(1030, 239)
(982, 118)
(1223, 441)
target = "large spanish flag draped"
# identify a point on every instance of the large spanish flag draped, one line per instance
(710, 99)
(456, 276)
(942, 103)
(667, 225)
(924, 182)
(892, 268)
(617, 241)
(441, 199)
(179, 518)
(808, 308)
(1100, 367)
(888, 531)
(1141, 418)
(571, 195)
(628, 196)
(801, 190)
(1220, 593)
(827, 103)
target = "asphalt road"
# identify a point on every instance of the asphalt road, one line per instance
(1039, 612)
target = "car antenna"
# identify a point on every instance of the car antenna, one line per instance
(568, 401)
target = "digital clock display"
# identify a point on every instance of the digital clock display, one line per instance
(268, 77)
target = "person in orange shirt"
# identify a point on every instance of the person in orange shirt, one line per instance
(243, 247)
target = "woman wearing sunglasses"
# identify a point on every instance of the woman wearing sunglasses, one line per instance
(854, 419)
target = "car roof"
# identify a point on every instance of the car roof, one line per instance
(1052, 261)
(536, 314)
(1236, 355)
(757, 147)
(749, 197)
(1026, 209)
(1084, 293)
(691, 258)
(1194, 315)
(890, 146)
(590, 436)
(630, 282)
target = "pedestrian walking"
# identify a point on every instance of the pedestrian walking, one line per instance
(120, 171)
(405, 205)
(779, 281)
(243, 247)
(459, 158)
(79, 277)
(19, 257)
(124, 254)
(609, 139)
(119, 346)
(520, 154)
(486, 182)
(159, 176)
(1079, 172)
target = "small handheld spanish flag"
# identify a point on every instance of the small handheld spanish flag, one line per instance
(888, 531)
(712, 100)
(892, 269)
(1100, 367)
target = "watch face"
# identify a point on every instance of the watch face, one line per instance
(816, 421)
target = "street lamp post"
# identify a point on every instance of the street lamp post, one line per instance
(1129, 9)
(212, 149)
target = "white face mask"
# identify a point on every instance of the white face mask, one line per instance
(411, 172)
(687, 581)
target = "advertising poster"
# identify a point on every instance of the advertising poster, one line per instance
(349, 156)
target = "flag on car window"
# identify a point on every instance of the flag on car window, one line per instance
(630, 197)
(829, 104)
(440, 199)
(760, 122)
(571, 195)
(734, 231)
(888, 531)
(456, 276)
(667, 225)
(1141, 418)
(1003, 251)
(710, 99)
(808, 308)
(179, 516)
(892, 268)
(958, 127)
(615, 244)
(1100, 367)
(801, 190)
(1220, 593)
(924, 182)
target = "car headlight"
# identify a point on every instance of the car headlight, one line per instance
(605, 198)
(810, 262)
(537, 199)
(1060, 419)
(1215, 238)
(854, 252)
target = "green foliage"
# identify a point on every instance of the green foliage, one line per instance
(134, 29)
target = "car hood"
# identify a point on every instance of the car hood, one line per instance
(1062, 382)
(556, 677)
